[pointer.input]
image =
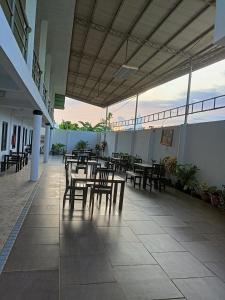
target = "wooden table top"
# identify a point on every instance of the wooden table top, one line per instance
(77, 177)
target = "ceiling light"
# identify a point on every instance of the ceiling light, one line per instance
(125, 72)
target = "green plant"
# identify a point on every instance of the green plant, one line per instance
(186, 175)
(170, 163)
(81, 145)
(58, 148)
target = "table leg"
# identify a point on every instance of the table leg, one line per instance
(144, 179)
(72, 194)
(115, 192)
(121, 195)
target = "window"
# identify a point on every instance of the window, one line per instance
(13, 142)
(4, 136)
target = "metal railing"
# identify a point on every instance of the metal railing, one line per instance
(36, 71)
(16, 16)
(210, 104)
(44, 94)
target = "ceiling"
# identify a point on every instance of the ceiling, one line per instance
(157, 36)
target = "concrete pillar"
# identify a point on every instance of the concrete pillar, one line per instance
(48, 66)
(42, 51)
(37, 120)
(116, 142)
(50, 139)
(151, 145)
(31, 7)
(181, 152)
(47, 142)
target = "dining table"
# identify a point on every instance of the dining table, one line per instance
(89, 180)
(145, 167)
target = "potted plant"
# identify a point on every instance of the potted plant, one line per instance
(81, 145)
(186, 175)
(204, 191)
(215, 195)
(57, 149)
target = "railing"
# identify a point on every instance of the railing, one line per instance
(210, 104)
(16, 16)
(44, 94)
(36, 71)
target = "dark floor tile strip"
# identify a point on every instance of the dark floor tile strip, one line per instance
(4, 254)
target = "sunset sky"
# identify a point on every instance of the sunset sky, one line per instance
(207, 82)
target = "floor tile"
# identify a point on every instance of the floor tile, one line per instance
(145, 282)
(115, 234)
(85, 270)
(181, 265)
(33, 235)
(208, 288)
(104, 291)
(145, 227)
(160, 243)
(184, 234)
(129, 253)
(37, 285)
(205, 251)
(41, 220)
(168, 221)
(217, 268)
(33, 257)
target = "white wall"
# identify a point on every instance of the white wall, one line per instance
(7, 115)
(204, 147)
(71, 137)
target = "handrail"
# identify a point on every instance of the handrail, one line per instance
(17, 19)
(36, 71)
(193, 108)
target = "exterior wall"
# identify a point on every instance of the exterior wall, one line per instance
(204, 147)
(8, 116)
(71, 137)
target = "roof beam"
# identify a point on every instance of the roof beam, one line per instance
(87, 32)
(178, 2)
(201, 11)
(105, 37)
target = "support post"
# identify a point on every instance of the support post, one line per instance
(42, 52)
(188, 93)
(50, 139)
(47, 140)
(135, 126)
(37, 120)
(31, 7)
(106, 116)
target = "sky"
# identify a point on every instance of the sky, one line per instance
(207, 82)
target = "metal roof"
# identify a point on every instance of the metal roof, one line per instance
(157, 36)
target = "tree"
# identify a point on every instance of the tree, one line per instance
(68, 125)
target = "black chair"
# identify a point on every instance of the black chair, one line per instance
(82, 163)
(134, 176)
(78, 187)
(158, 176)
(102, 187)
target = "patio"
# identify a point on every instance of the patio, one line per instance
(162, 246)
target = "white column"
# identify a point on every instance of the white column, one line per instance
(47, 141)
(181, 152)
(188, 93)
(42, 51)
(50, 139)
(48, 66)
(151, 145)
(135, 125)
(31, 7)
(37, 120)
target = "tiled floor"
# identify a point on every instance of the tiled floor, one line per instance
(15, 190)
(162, 246)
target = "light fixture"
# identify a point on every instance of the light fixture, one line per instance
(125, 71)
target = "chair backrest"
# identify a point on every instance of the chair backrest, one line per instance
(137, 160)
(104, 175)
(159, 170)
(115, 154)
(82, 159)
(67, 174)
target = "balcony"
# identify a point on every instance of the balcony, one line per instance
(15, 13)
